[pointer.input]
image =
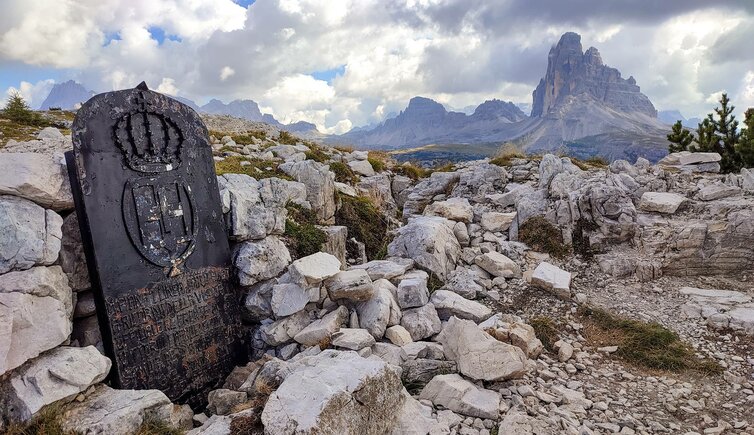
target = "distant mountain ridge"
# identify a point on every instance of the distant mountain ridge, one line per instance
(580, 107)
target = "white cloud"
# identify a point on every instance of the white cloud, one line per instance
(167, 86)
(226, 72)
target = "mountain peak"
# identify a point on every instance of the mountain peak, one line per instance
(66, 95)
(571, 72)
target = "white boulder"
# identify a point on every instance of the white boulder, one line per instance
(553, 279)
(459, 395)
(450, 304)
(430, 242)
(41, 178)
(661, 202)
(498, 264)
(455, 209)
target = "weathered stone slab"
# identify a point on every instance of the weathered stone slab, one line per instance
(150, 213)
(661, 202)
(29, 234)
(37, 177)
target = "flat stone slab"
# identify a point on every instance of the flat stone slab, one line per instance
(661, 202)
(689, 158)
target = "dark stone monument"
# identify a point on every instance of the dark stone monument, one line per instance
(151, 220)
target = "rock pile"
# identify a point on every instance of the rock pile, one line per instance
(428, 339)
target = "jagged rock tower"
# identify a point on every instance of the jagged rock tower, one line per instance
(570, 71)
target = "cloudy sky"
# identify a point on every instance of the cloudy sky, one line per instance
(344, 63)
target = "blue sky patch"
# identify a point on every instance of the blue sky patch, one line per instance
(330, 74)
(159, 35)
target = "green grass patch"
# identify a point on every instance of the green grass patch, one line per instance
(648, 345)
(13, 130)
(248, 137)
(256, 168)
(412, 171)
(595, 162)
(542, 236)
(546, 331)
(378, 160)
(301, 233)
(343, 173)
(364, 222)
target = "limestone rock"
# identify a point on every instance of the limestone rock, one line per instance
(455, 209)
(552, 279)
(661, 202)
(461, 281)
(35, 314)
(417, 418)
(398, 335)
(222, 401)
(352, 338)
(422, 322)
(120, 412)
(461, 396)
(321, 330)
(335, 392)
(41, 178)
(478, 355)
(718, 190)
(29, 234)
(353, 285)
(362, 167)
(59, 374)
(689, 158)
(336, 241)
(511, 329)
(430, 242)
(260, 260)
(320, 186)
(412, 290)
(313, 269)
(249, 217)
(72, 258)
(498, 265)
(422, 193)
(387, 269)
(282, 331)
(287, 299)
(497, 222)
(450, 304)
(374, 314)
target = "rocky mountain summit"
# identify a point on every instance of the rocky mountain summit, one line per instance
(514, 297)
(67, 95)
(571, 72)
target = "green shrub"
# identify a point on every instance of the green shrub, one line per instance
(256, 168)
(301, 233)
(343, 173)
(542, 236)
(364, 222)
(649, 345)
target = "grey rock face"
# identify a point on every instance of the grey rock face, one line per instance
(421, 194)
(56, 375)
(29, 234)
(35, 314)
(422, 322)
(41, 178)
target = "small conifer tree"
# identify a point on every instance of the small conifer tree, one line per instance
(680, 138)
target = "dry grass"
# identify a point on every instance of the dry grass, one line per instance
(157, 427)
(364, 222)
(379, 160)
(646, 345)
(287, 139)
(16, 131)
(590, 163)
(546, 331)
(543, 236)
(344, 148)
(47, 422)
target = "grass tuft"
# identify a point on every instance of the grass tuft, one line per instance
(546, 331)
(46, 422)
(412, 171)
(256, 168)
(315, 153)
(648, 345)
(364, 222)
(343, 173)
(543, 236)
(287, 138)
(378, 160)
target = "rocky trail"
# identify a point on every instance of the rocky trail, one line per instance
(534, 295)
